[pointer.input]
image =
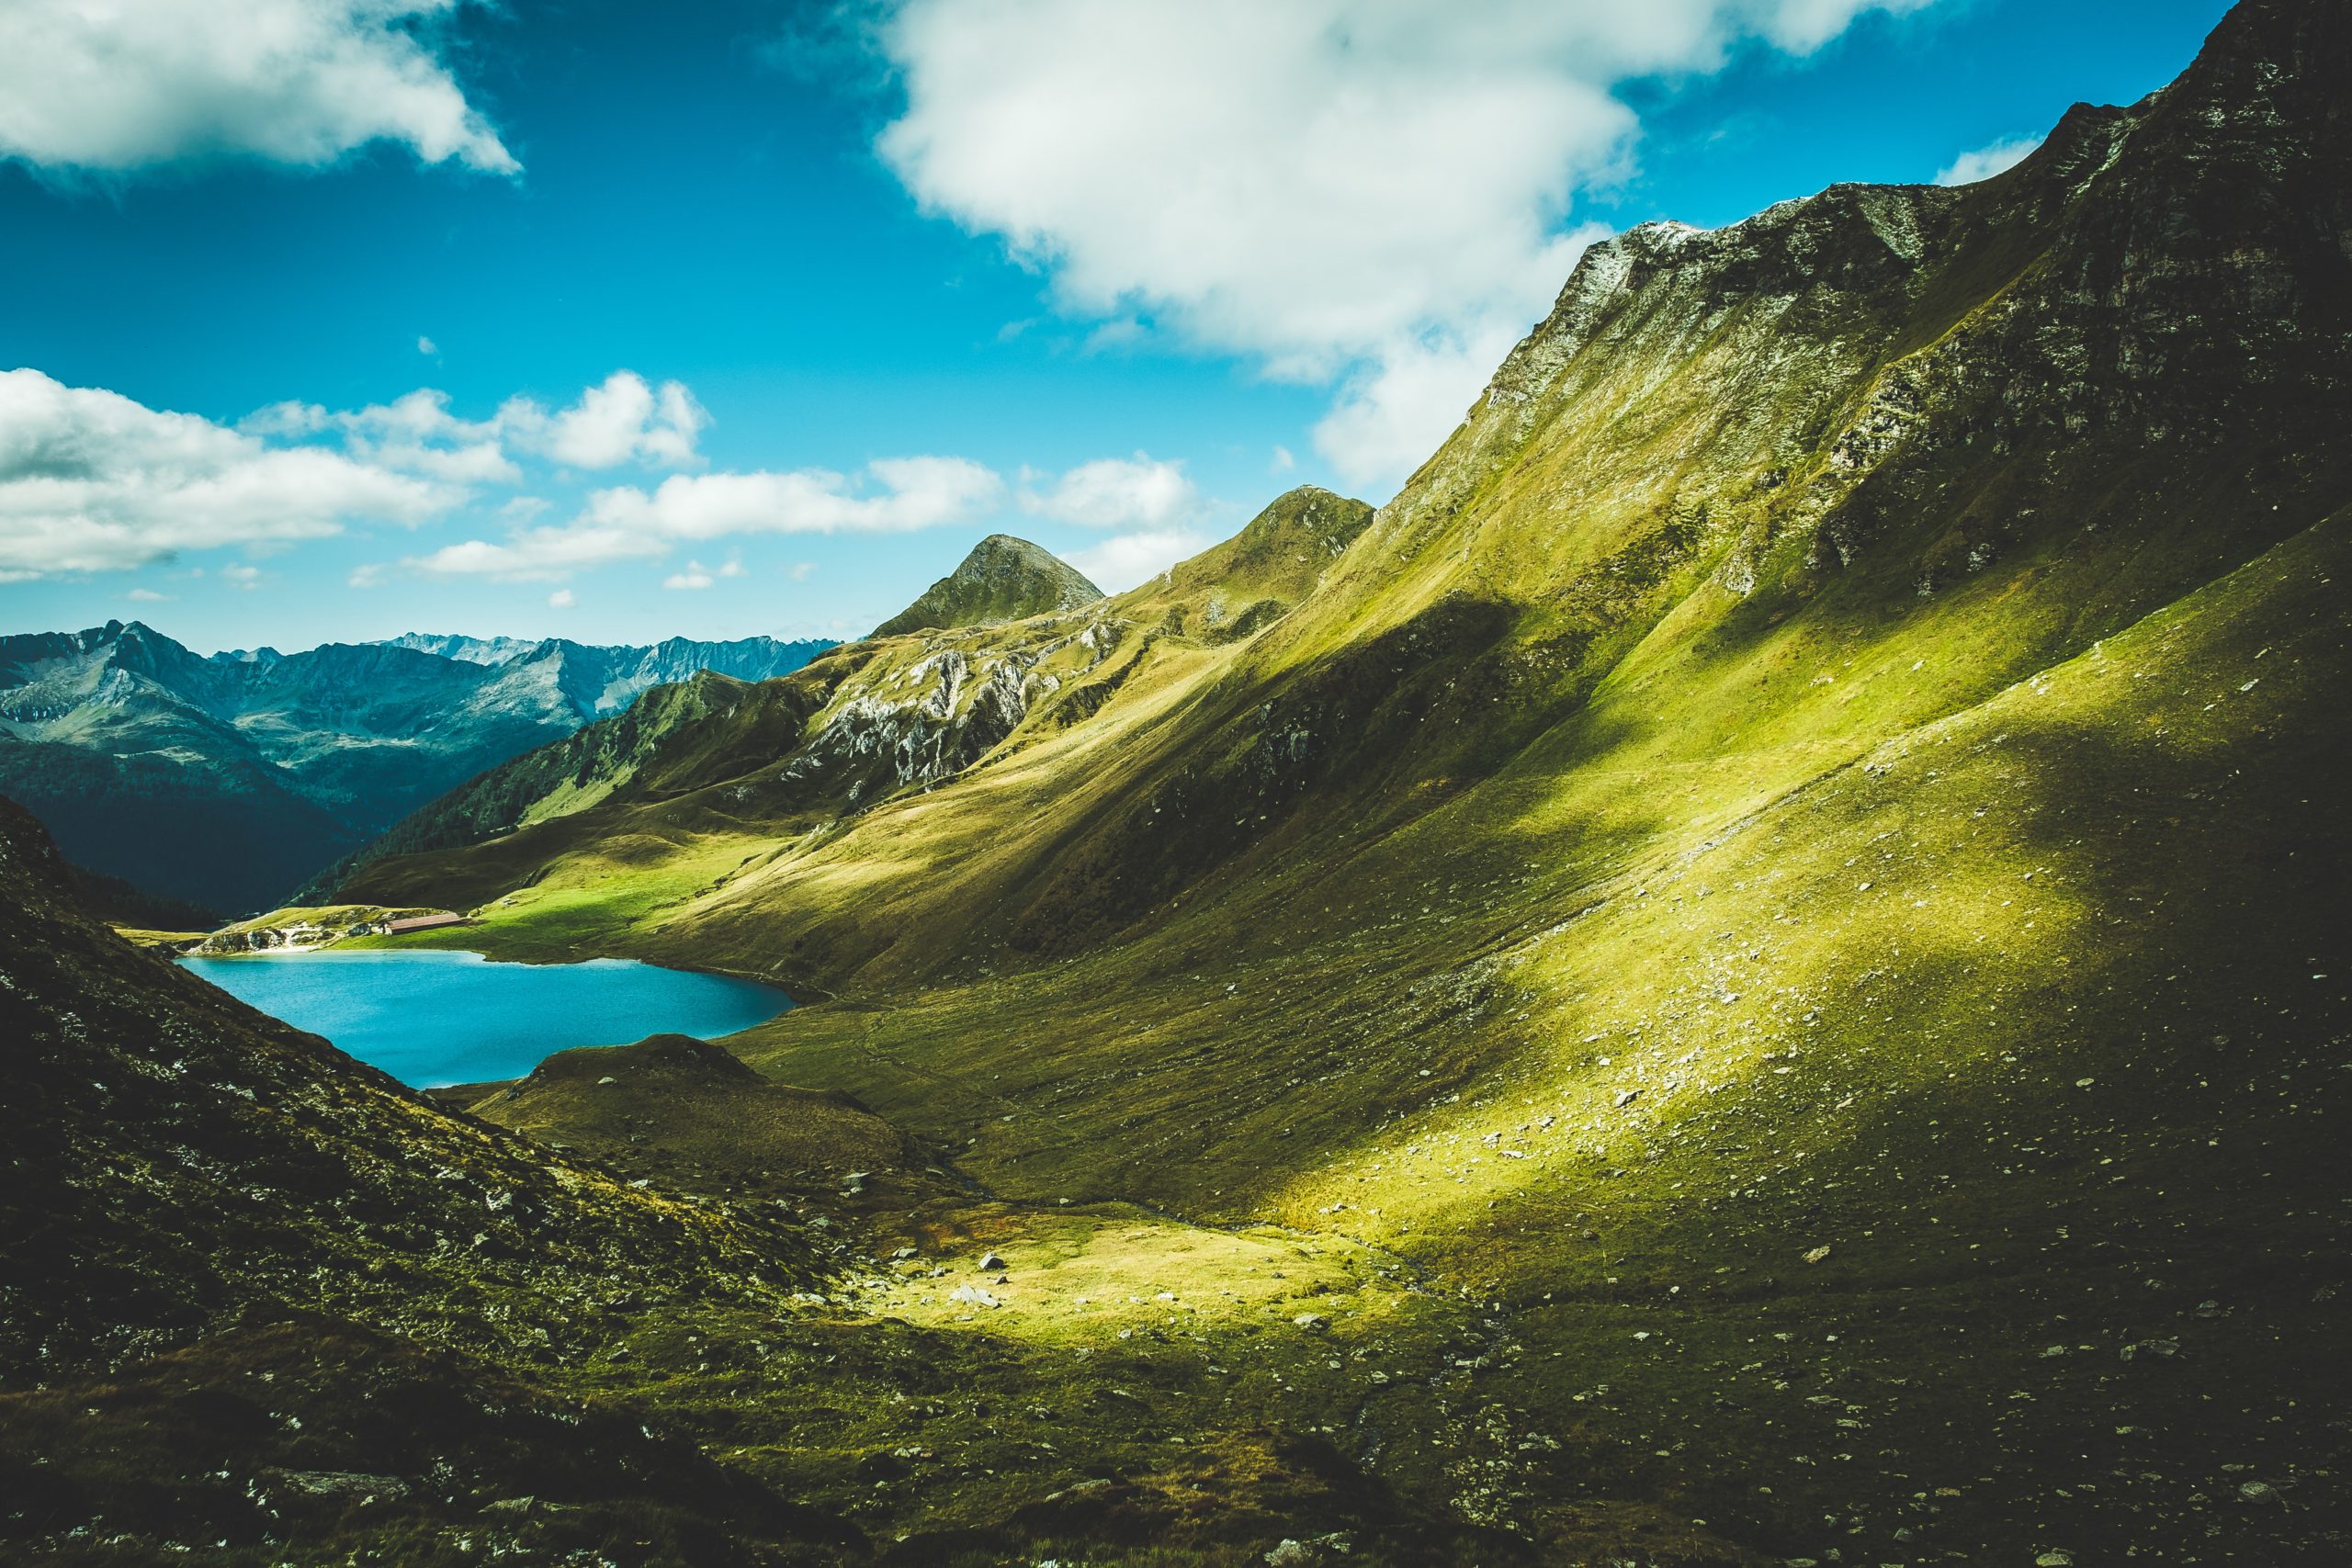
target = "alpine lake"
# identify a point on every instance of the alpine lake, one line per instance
(440, 1017)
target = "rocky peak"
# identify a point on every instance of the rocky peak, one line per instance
(1003, 578)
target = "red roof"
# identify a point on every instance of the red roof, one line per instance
(423, 922)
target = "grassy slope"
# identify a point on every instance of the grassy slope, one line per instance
(1864, 685)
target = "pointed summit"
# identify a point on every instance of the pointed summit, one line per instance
(1003, 578)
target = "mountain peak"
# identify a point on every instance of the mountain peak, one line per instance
(1003, 578)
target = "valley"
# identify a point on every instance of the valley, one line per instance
(1751, 970)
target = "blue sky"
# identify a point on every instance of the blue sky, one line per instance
(881, 280)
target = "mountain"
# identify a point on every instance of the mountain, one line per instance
(1786, 894)
(229, 780)
(1003, 578)
(472, 649)
(864, 722)
(1745, 972)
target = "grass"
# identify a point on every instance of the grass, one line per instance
(1856, 970)
(1769, 934)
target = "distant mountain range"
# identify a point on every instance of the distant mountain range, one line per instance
(227, 780)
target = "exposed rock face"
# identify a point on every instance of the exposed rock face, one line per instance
(228, 779)
(944, 712)
(1003, 578)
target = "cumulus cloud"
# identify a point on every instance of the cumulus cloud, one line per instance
(892, 495)
(147, 596)
(1332, 187)
(623, 420)
(1123, 561)
(1985, 162)
(696, 576)
(562, 599)
(91, 480)
(101, 85)
(1402, 402)
(425, 345)
(1111, 492)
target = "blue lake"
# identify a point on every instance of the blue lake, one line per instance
(433, 1018)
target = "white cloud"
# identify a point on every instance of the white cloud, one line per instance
(1331, 186)
(1113, 493)
(92, 482)
(800, 569)
(368, 576)
(114, 84)
(893, 496)
(1282, 462)
(562, 599)
(1985, 162)
(245, 577)
(1123, 560)
(696, 576)
(1113, 337)
(147, 596)
(625, 418)
(425, 345)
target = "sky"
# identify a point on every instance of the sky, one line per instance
(328, 320)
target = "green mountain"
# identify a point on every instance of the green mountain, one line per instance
(1751, 970)
(230, 779)
(1003, 578)
(686, 766)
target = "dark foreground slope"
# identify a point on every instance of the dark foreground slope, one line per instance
(256, 1293)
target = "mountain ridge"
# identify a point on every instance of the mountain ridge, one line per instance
(229, 780)
(871, 719)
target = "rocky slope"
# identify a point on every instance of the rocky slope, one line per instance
(229, 780)
(1003, 578)
(1791, 874)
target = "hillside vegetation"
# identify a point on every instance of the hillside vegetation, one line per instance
(1769, 934)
